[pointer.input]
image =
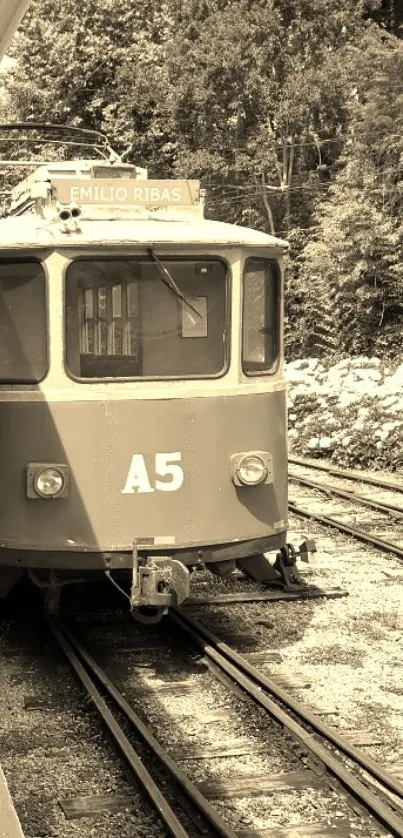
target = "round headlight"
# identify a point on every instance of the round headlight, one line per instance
(252, 470)
(49, 482)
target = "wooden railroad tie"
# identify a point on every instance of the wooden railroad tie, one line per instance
(260, 784)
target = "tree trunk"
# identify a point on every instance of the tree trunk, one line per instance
(267, 207)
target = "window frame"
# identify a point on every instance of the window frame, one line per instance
(165, 259)
(11, 258)
(274, 263)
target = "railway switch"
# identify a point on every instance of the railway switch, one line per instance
(307, 550)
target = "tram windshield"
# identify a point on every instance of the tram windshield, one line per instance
(23, 321)
(124, 320)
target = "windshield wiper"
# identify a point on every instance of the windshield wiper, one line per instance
(170, 282)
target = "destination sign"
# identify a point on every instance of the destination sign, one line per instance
(128, 192)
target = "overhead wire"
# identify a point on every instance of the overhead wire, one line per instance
(44, 141)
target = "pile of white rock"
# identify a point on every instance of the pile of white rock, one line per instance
(351, 412)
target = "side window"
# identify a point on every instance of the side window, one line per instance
(260, 328)
(23, 321)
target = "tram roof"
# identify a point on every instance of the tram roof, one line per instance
(29, 232)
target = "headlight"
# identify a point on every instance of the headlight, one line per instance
(251, 471)
(251, 468)
(49, 482)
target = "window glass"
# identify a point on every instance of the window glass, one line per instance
(23, 322)
(260, 316)
(126, 318)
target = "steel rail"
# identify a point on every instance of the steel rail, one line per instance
(255, 684)
(346, 495)
(360, 535)
(348, 473)
(202, 804)
(157, 798)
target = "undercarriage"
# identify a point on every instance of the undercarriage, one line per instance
(157, 582)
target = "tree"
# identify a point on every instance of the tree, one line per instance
(248, 95)
(358, 247)
(258, 98)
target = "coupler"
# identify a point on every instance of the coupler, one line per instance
(158, 582)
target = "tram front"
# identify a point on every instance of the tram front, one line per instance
(160, 422)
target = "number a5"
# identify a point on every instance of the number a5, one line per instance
(166, 465)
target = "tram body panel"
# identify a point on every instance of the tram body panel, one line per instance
(117, 452)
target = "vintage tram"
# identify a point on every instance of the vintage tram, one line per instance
(142, 397)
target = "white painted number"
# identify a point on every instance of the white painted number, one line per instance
(166, 465)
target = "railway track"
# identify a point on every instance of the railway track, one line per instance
(304, 725)
(87, 670)
(349, 474)
(389, 509)
(336, 764)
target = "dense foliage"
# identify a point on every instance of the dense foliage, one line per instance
(350, 412)
(354, 259)
(290, 112)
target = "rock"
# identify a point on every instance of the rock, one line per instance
(359, 426)
(300, 390)
(345, 399)
(294, 376)
(373, 375)
(390, 426)
(396, 380)
(387, 402)
(325, 443)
